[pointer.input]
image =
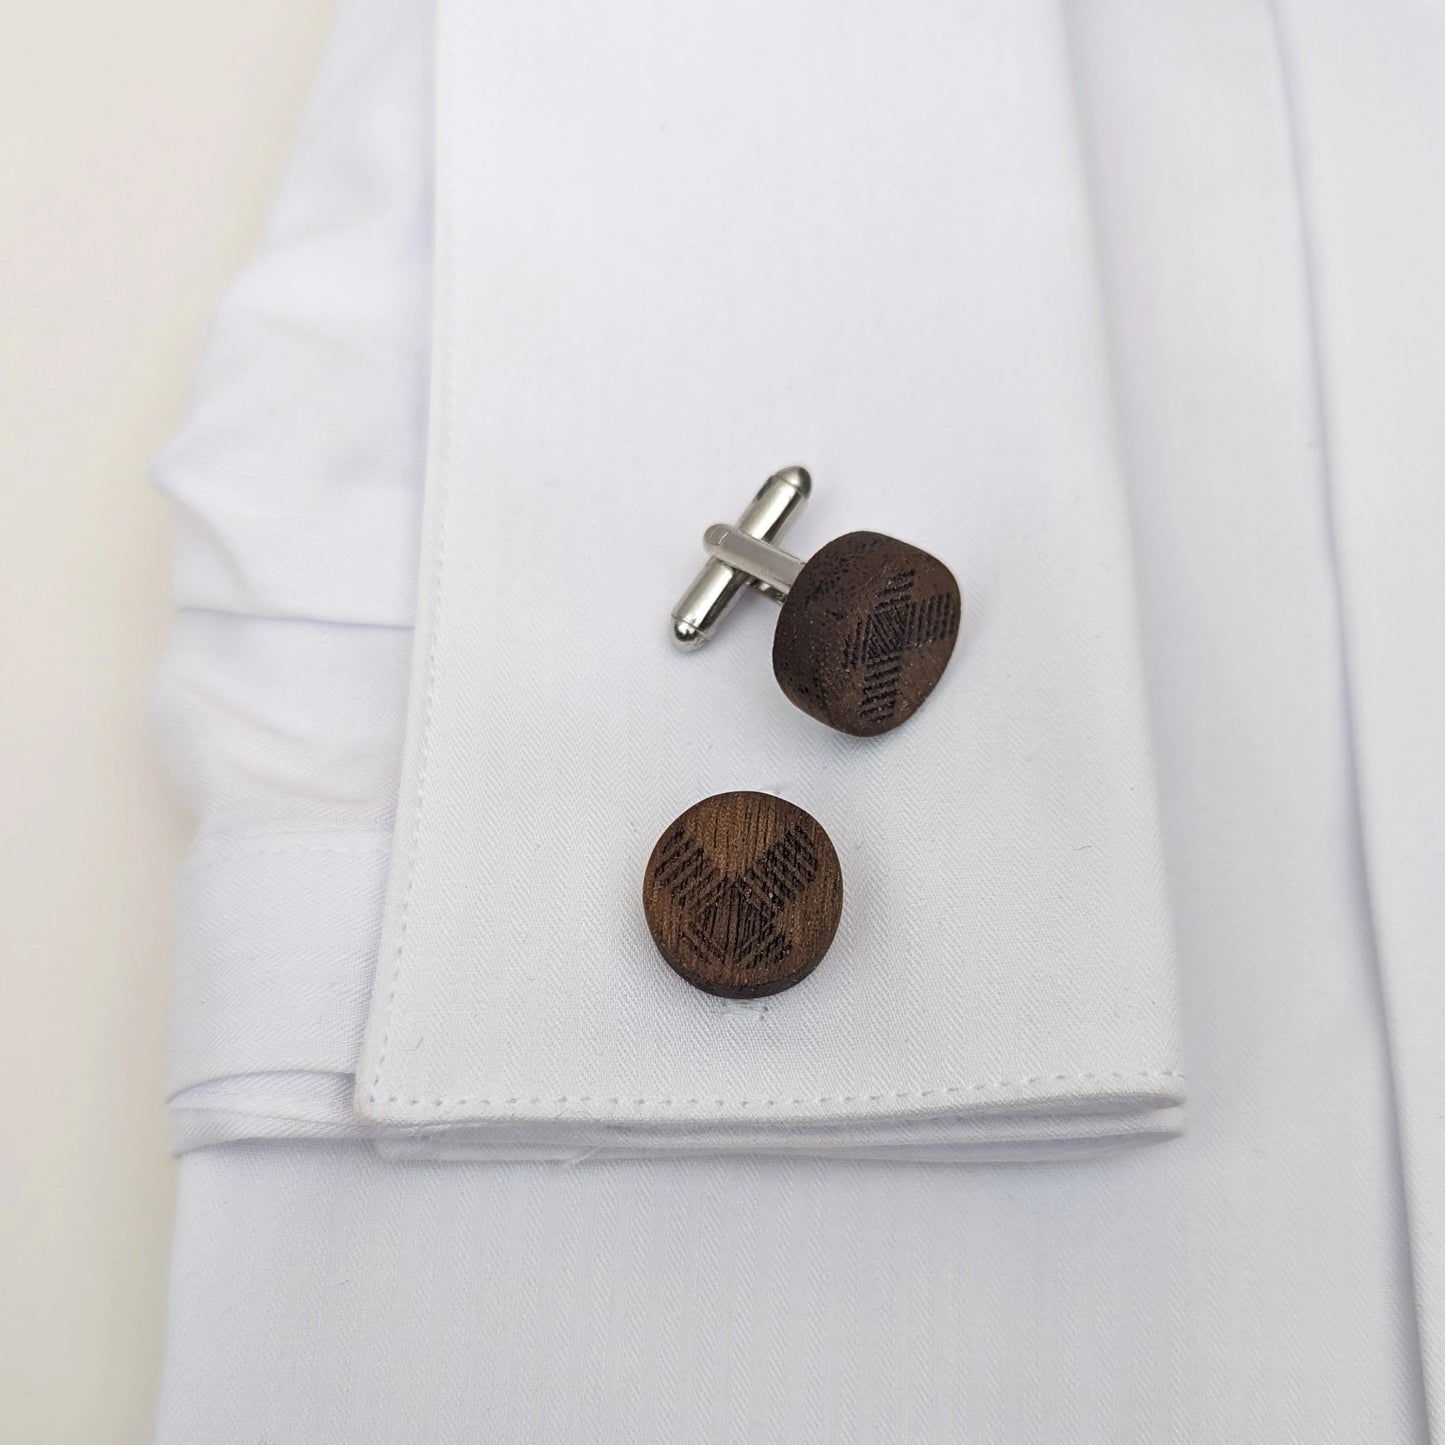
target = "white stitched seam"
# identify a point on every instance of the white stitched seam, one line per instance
(773, 1103)
(446, 356)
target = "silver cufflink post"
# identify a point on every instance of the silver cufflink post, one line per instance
(744, 555)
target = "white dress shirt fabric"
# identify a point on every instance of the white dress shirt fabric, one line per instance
(1250, 1281)
(676, 249)
(282, 697)
(1371, 112)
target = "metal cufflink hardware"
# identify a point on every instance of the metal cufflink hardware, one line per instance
(868, 623)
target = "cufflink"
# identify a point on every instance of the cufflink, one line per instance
(868, 623)
(742, 894)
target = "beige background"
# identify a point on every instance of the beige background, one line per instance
(140, 141)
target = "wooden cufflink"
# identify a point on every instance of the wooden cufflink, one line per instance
(868, 623)
(742, 894)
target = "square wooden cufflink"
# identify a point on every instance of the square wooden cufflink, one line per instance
(868, 623)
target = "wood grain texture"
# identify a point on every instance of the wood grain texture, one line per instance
(866, 632)
(743, 893)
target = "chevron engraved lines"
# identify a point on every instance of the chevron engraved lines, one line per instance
(898, 623)
(682, 868)
(741, 891)
(734, 919)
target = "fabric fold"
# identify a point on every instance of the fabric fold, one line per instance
(280, 699)
(617, 360)
(801, 233)
(1368, 122)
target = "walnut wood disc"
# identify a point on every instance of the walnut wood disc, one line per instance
(742, 894)
(866, 632)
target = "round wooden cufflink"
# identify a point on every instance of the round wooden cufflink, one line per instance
(742, 894)
(868, 623)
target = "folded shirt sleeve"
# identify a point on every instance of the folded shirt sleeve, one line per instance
(280, 699)
(412, 909)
